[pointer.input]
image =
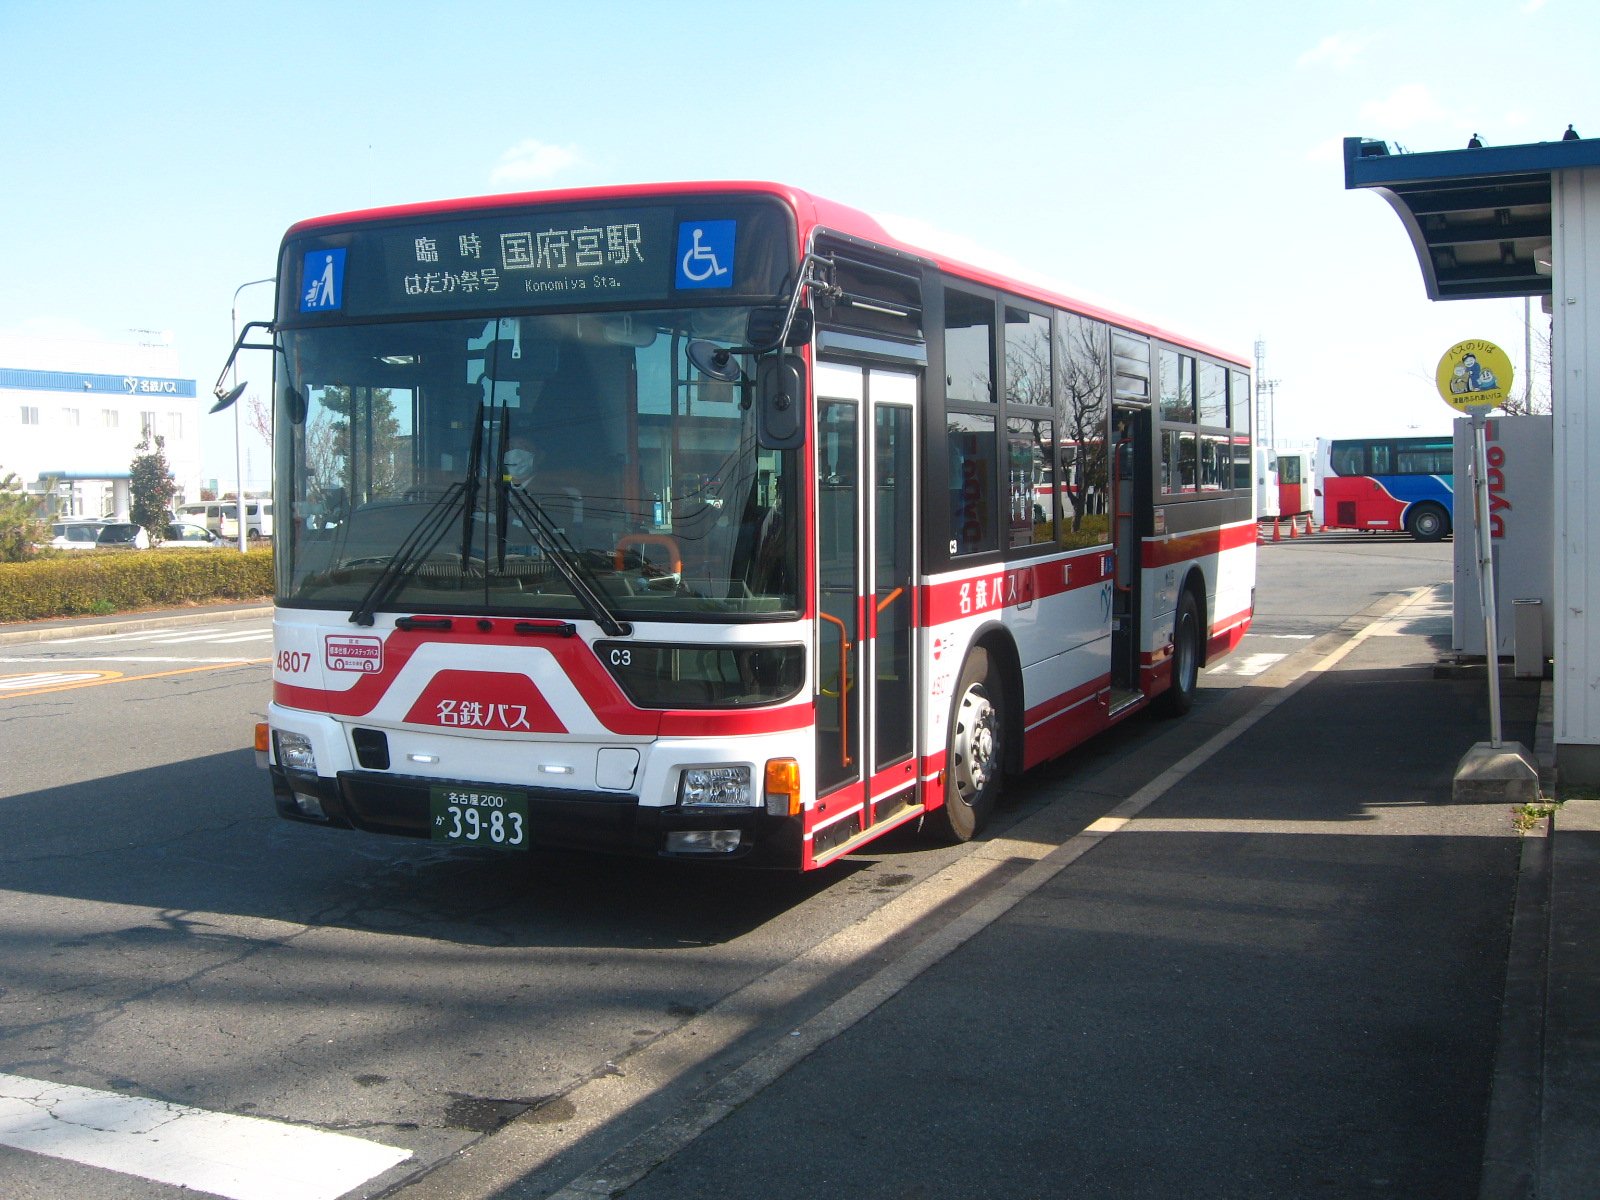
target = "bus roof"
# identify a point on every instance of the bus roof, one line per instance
(811, 211)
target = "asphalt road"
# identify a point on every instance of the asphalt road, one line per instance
(164, 936)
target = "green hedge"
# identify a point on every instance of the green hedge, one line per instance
(92, 582)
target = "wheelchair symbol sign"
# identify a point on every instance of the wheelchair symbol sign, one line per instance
(705, 254)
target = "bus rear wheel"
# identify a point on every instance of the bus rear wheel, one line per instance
(1428, 523)
(974, 759)
(1179, 697)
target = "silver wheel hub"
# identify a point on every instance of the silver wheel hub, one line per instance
(976, 744)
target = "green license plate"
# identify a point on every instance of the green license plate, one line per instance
(478, 816)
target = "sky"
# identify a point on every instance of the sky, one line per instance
(1177, 162)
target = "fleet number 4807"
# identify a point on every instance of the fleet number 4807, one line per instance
(292, 662)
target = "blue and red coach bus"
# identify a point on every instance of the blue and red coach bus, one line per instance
(1397, 483)
(705, 520)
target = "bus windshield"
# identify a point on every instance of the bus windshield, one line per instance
(530, 466)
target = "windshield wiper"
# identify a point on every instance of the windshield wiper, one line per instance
(470, 504)
(413, 552)
(565, 556)
(425, 535)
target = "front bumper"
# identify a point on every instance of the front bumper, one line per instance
(383, 802)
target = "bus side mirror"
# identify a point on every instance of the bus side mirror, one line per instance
(801, 328)
(780, 402)
(766, 325)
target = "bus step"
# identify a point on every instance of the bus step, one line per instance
(1122, 698)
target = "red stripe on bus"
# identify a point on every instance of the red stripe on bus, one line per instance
(1010, 587)
(1064, 721)
(1182, 547)
(594, 684)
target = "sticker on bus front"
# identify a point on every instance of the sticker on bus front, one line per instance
(362, 654)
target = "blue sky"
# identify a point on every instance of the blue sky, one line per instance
(1178, 161)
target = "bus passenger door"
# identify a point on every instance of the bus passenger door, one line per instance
(866, 536)
(1130, 496)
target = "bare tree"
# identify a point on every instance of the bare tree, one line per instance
(1533, 394)
(1083, 372)
(259, 417)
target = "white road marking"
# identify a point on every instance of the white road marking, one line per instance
(12, 683)
(188, 637)
(209, 633)
(138, 635)
(128, 658)
(180, 639)
(241, 1158)
(1245, 664)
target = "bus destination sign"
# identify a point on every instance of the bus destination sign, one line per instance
(493, 261)
(539, 257)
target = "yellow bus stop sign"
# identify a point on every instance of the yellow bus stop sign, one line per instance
(1474, 376)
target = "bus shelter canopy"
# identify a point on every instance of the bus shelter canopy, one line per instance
(1478, 218)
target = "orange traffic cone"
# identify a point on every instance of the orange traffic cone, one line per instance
(1294, 527)
(1275, 535)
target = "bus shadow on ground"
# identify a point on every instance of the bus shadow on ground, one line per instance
(201, 836)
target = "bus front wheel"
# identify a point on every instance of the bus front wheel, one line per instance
(974, 760)
(1428, 523)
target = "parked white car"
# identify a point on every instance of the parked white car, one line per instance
(124, 533)
(222, 517)
(257, 519)
(205, 512)
(75, 534)
(183, 536)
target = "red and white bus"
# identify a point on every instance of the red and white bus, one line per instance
(1295, 490)
(701, 520)
(1283, 483)
(1267, 497)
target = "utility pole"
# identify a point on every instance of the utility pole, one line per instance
(1266, 389)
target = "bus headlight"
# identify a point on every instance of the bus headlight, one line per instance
(716, 787)
(294, 752)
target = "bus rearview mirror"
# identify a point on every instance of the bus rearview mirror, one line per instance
(780, 398)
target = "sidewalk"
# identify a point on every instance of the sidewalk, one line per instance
(1274, 971)
(59, 627)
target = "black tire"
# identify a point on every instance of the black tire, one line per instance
(1428, 523)
(974, 752)
(1179, 698)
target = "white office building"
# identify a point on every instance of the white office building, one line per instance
(72, 414)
